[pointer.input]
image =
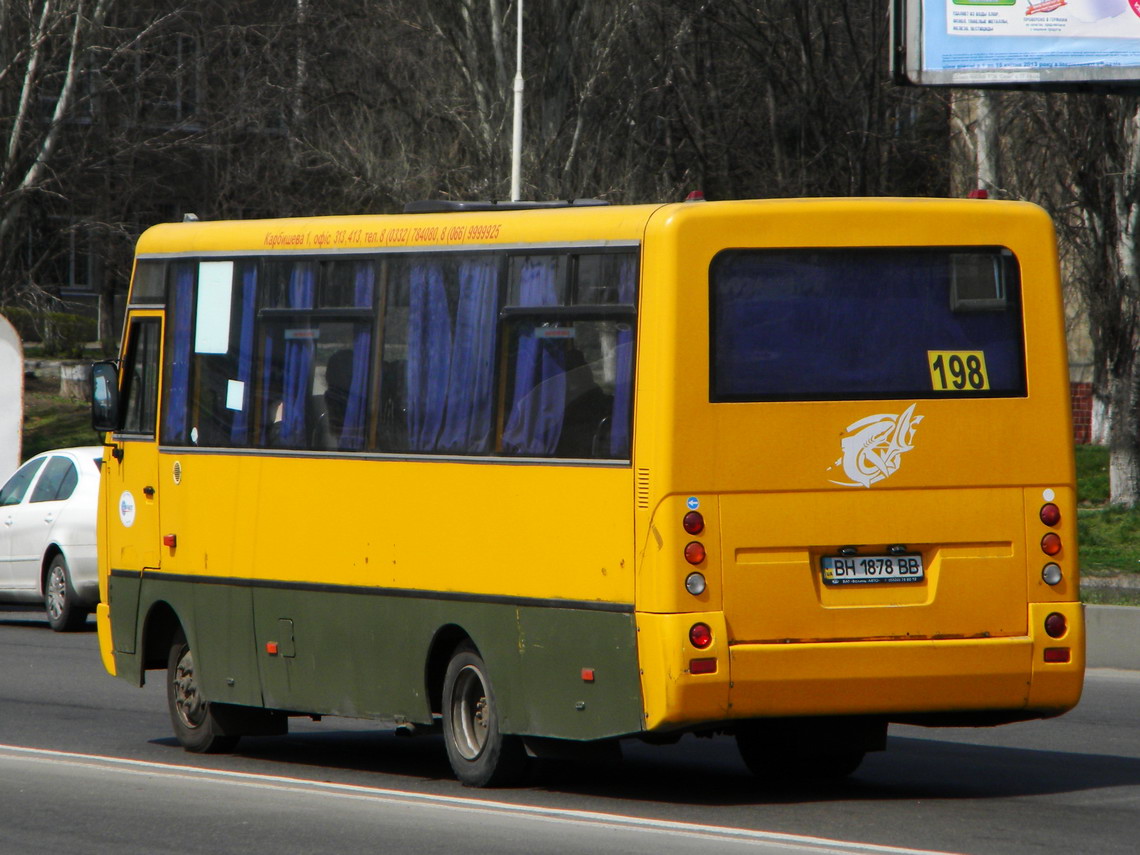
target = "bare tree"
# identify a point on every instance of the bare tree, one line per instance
(63, 66)
(46, 49)
(269, 109)
(1079, 156)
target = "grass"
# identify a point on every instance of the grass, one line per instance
(52, 420)
(1110, 596)
(1092, 475)
(1109, 540)
(1109, 537)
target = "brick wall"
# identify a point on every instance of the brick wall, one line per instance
(1081, 394)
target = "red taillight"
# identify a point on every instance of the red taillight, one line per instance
(1057, 654)
(700, 636)
(702, 666)
(694, 552)
(1051, 543)
(693, 522)
(1050, 514)
(1056, 625)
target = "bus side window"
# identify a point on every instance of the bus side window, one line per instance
(211, 418)
(140, 377)
(210, 353)
(568, 356)
(565, 382)
(335, 398)
(587, 413)
(339, 406)
(286, 385)
(440, 330)
(393, 407)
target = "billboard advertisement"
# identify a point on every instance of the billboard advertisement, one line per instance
(1017, 43)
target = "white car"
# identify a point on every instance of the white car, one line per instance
(47, 534)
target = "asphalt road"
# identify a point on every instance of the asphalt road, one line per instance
(87, 764)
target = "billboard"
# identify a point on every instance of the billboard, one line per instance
(1056, 44)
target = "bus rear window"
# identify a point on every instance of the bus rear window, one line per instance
(845, 324)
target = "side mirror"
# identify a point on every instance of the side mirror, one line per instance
(105, 414)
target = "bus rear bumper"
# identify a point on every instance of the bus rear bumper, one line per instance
(932, 681)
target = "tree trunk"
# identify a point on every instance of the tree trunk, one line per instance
(1123, 439)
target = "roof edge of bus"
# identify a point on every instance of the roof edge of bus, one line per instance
(442, 206)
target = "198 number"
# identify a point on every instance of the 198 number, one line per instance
(958, 370)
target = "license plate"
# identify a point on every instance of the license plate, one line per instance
(871, 569)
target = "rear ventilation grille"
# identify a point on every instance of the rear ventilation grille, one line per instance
(643, 489)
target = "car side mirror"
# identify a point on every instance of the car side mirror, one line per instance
(105, 414)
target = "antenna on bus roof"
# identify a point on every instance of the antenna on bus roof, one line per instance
(440, 206)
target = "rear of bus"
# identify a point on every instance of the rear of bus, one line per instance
(855, 481)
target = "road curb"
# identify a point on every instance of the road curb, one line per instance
(1113, 637)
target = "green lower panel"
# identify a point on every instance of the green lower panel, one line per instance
(123, 601)
(577, 673)
(558, 672)
(222, 635)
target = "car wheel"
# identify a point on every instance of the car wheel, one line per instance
(64, 614)
(194, 725)
(480, 755)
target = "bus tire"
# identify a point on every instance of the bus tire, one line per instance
(787, 753)
(479, 753)
(194, 724)
(63, 613)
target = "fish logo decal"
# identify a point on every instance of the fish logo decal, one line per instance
(873, 447)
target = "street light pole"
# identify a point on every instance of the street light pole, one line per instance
(516, 146)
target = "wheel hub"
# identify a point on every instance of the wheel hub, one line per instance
(187, 700)
(56, 593)
(471, 714)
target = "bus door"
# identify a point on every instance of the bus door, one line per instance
(134, 542)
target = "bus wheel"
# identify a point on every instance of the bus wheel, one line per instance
(63, 614)
(190, 715)
(791, 753)
(480, 755)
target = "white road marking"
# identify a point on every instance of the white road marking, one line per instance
(803, 843)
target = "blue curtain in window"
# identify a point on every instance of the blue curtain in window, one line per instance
(623, 380)
(298, 362)
(239, 431)
(174, 426)
(356, 409)
(470, 396)
(429, 356)
(538, 401)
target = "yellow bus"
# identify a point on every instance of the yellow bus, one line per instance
(558, 475)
